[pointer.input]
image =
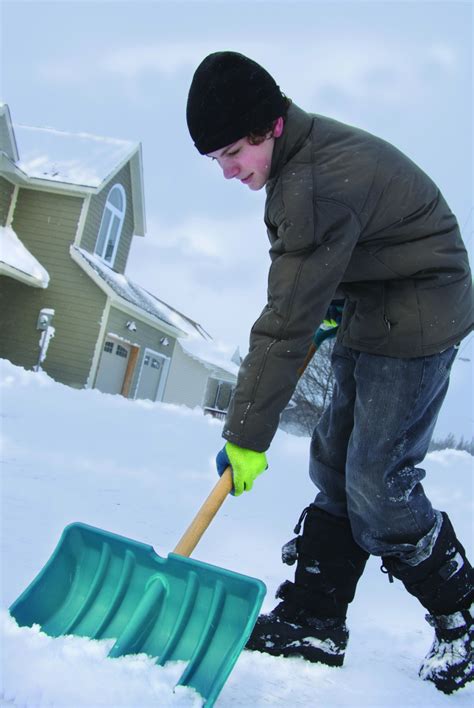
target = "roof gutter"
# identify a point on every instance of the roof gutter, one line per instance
(21, 276)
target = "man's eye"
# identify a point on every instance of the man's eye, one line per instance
(234, 152)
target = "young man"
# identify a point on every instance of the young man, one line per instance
(348, 216)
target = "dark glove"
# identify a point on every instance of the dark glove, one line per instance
(330, 324)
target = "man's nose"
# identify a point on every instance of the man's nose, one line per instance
(231, 170)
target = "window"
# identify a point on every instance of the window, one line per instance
(111, 224)
(108, 347)
(219, 394)
(224, 393)
(121, 351)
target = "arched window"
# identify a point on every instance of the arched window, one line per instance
(111, 224)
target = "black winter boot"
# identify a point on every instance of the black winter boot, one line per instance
(289, 631)
(450, 662)
(444, 584)
(310, 620)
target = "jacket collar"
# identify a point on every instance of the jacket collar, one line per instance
(297, 127)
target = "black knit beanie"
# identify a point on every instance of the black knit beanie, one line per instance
(230, 97)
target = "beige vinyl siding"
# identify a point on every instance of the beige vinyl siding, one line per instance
(94, 218)
(144, 337)
(46, 223)
(188, 380)
(6, 194)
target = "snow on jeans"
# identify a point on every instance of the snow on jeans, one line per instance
(366, 446)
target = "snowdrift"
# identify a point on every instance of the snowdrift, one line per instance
(141, 469)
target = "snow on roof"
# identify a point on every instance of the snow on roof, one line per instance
(75, 158)
(17, 262)
(211, 354)
(138, 296)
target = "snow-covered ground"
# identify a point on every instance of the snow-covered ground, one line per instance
(141, 469)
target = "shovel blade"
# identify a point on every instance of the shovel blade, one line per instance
(100, 585)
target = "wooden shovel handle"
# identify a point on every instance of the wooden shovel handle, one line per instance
(206, 513)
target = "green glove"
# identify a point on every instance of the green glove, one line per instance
(246, 465)
(330, 324)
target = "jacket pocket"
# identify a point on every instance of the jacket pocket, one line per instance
(366, 324)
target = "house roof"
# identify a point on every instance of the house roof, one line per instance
(194, 340)
(80, 162)
(119, 285)
(212, 354)
(75, 158)
(17, 262)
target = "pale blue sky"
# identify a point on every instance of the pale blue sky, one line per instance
(122, 69)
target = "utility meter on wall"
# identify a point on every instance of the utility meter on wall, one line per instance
(45, 318)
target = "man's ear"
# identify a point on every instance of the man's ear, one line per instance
(278, 127)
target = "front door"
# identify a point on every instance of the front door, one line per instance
(113, 365)
(152, 376)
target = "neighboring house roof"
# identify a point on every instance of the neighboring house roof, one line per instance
(119, 286)
(80, 162)
(17, 262)
(212, 354)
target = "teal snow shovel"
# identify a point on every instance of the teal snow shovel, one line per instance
(100, 585)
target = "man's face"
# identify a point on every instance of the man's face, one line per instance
(246, 162)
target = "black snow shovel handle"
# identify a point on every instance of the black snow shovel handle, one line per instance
(206, 513)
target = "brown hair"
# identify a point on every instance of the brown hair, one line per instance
(258, 135)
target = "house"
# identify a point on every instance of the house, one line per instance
(70, 207)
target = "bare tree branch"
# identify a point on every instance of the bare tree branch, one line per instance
(312, 394)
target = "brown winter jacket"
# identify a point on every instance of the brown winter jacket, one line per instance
(348, 214)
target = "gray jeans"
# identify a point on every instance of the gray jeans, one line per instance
(367, 445)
